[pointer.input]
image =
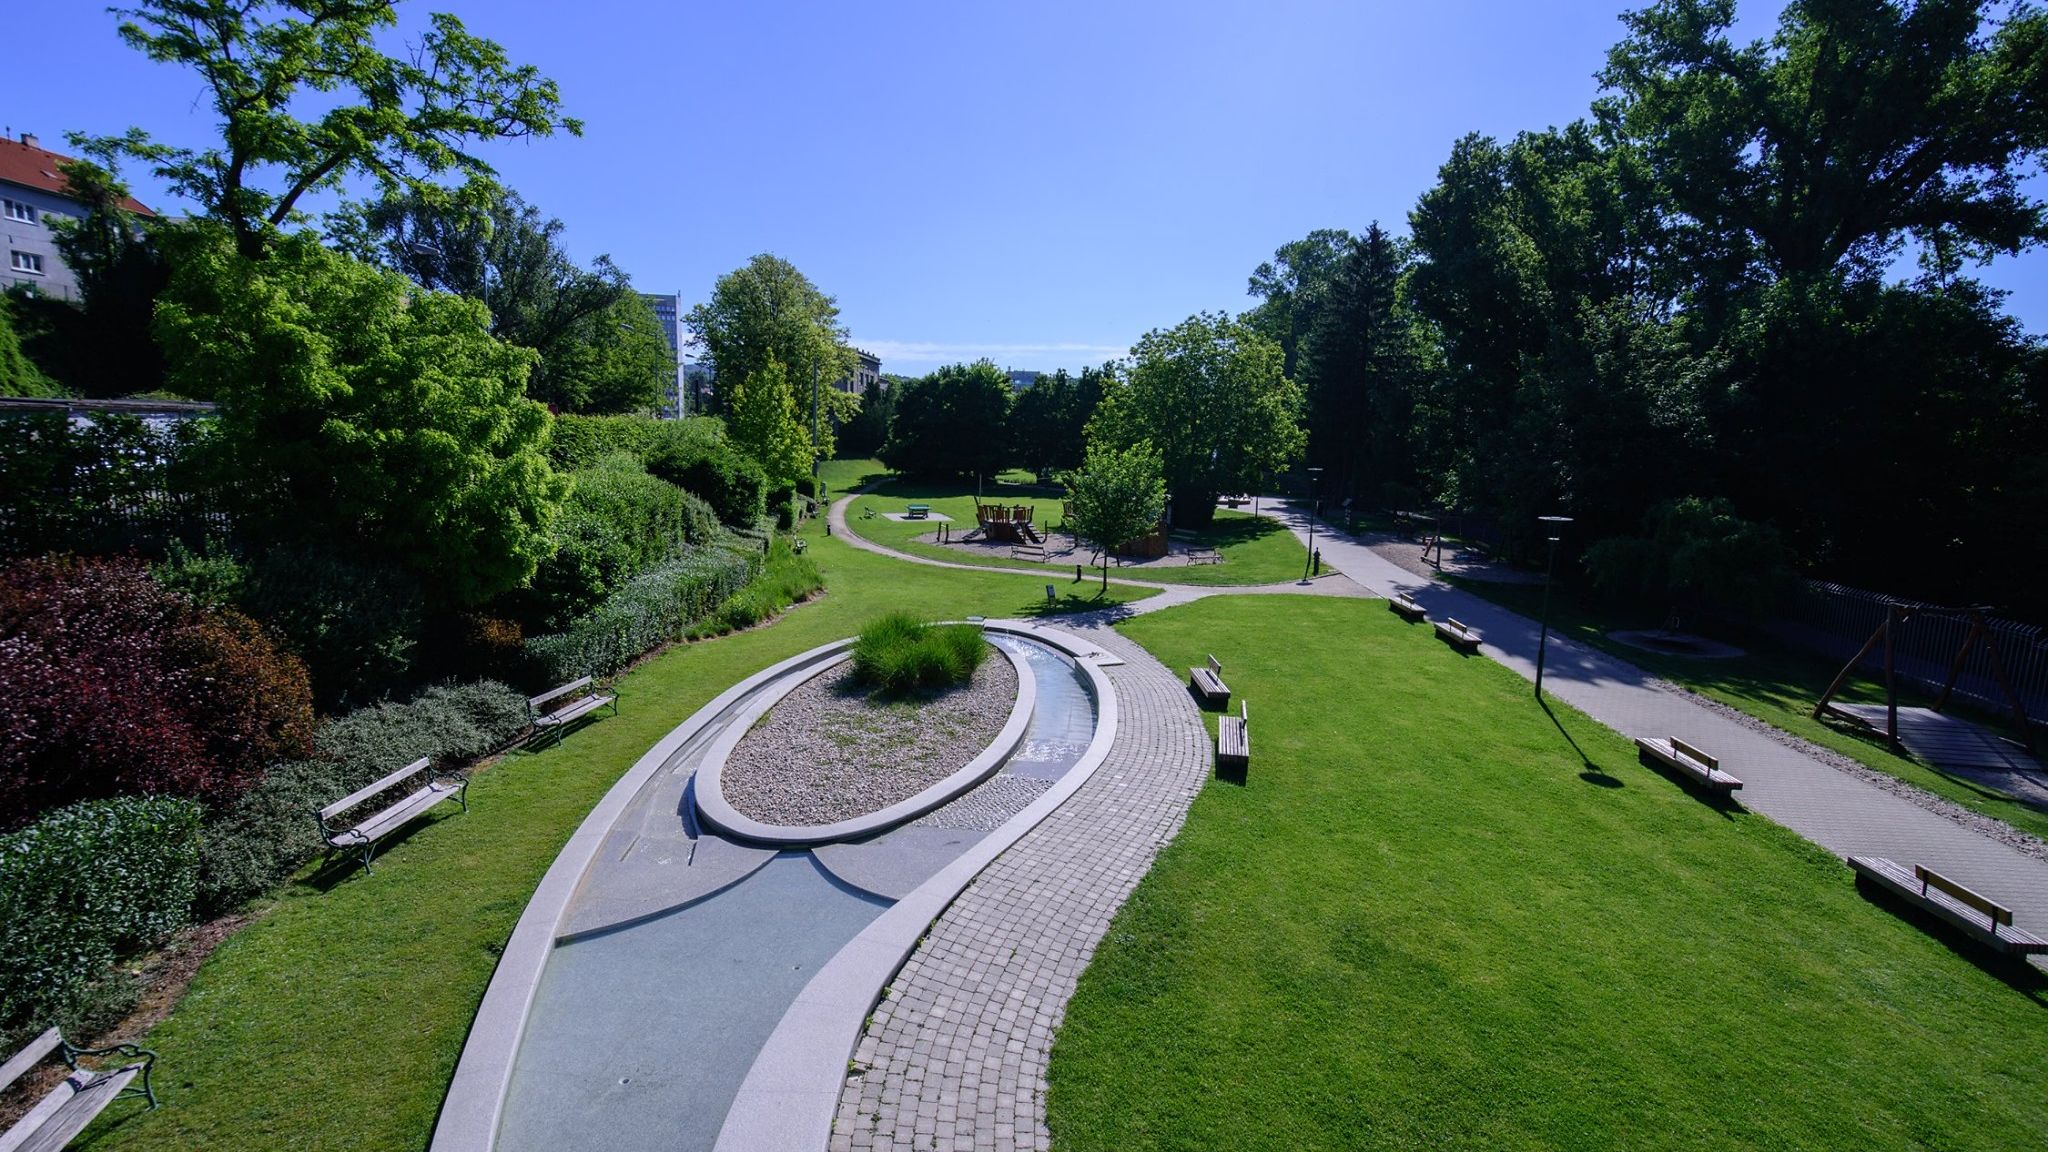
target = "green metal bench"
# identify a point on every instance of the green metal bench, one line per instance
(918, 512)
(363, 837)
(67, 1108)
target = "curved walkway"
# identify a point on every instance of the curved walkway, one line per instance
(1841, 812)
(954, 1056)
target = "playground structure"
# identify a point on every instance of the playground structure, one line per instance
(1896, 615)
(1011, 523)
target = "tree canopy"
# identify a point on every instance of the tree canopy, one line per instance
(1116, 496)
(306, 98)
(766, 311)
(953, 422)
(1209, 395)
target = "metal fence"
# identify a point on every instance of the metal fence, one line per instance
(1835, 620)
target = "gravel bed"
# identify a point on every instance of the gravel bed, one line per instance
(828, 751)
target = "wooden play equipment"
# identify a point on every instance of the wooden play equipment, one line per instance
(1014, 523)
(1980, 632)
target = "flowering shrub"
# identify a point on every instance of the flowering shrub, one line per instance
(111, 685)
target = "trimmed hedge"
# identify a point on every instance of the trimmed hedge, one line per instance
(898, 652)
(617, 522)
(649, 611)
(692, 454)
(82, 887)
(269, 832)
(787, 578)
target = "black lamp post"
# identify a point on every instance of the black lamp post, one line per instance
(1554, 524)
(1310, 562)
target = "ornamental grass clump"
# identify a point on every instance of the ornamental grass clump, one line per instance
(898, 653)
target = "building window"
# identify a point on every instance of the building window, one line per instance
(25, 213)
(28, 262)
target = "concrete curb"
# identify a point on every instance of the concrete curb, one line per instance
(710, 794)
(791, 1093)
(475, 1101)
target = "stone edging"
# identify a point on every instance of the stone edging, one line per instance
(717, 812)
(791, 1093)
(470, 1112)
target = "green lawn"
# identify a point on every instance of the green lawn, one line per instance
(1255, 550)
(334, 1021)
(1427, 923)
(1779, 687)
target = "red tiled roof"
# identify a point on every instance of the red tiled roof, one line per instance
(33, 167)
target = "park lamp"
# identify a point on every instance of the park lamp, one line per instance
(1308, 564)
(1553, 526)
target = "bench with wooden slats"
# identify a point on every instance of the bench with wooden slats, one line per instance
(1407, 609)
(1234, 742)
(1981, 917)
(1457, 634)
(1207, 683)
(1688, 761)
(85, 1093)
(554, 710)
(363, 837)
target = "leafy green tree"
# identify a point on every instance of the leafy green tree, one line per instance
(1292, 286)
(489, 244)
(1117, 495)
(1855, 126)
(120, 271)
(761, 420)
(766, 311)
(306, 98)
(359, 411)
(19, 375)
(865, 434)
(620, 363)
(954, 422)
(1049, 423)
(1208, 394)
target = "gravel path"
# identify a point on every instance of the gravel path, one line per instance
(828, 751)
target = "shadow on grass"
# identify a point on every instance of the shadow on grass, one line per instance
(342, 865)
(2012, 971)
(1072, 603)
(1594, 774)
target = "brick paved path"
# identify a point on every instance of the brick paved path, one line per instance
(955, 1055)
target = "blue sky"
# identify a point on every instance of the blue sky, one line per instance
(1036, 183)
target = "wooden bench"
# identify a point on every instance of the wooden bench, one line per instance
(1207, 683)
(1032, 552)
(1693, 764)
(1234, 743)
(1454, 632)
(363, 837)
(1204, 555)
(77, 1098)
(553, 711)
(1407, 609)
(918, 512)
(1981, 917)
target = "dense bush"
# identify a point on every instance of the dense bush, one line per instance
(269, 831)
(731, 481)
(111, 685)
(83, 886)
(103, 486)
(617, 522)
(355, 621)
(658, 606)
(1695, 554)
(692, 454)
(787, 578)
(898, 652)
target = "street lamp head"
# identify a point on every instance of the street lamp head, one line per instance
(1560, 521)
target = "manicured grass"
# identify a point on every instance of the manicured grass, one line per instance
(843, 475)
(1427, 923)
(1779, 687)
(335, 1021)
(1254, 550)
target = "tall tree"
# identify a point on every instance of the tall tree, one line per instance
(405, 122)
(1358, 371)
(120, 272)
(1049, 423)
(766, 311)
(491, 245)
(954, 422)
(761, 418)
(1855, 126)
(1208, 394)
(1291, 287)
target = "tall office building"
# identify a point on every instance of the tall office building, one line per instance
(669, 309)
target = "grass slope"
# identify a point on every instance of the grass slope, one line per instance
(1255, 550)
(1779, 687)
(335, 1020)
(1427, 923)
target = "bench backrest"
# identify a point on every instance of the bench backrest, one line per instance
(1929, 878)
(357, 797)
(1457, 625)
(1687, 750)
(564, 690)
(1405, 601)
(29, 1057)
(1215, 665)
(1244, 712)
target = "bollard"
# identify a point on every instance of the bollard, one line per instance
(1077, 573)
